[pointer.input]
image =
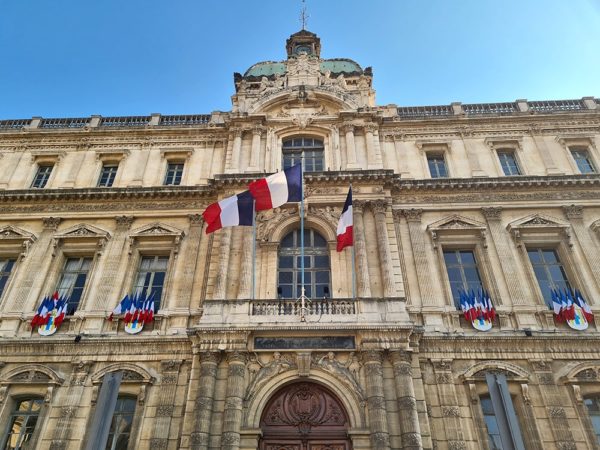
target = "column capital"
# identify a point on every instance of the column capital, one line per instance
(209, 357)
(573, 211)
(51, 223)
(236, 357)
(359, 206)
(397, 213)
(379, 206)
(371, 128)
(372, 356)
(196, 219)
(348, 128)
(492, 212)
(413, 214)
(124, 222)
(237, 132)
(258, 130)
(400, 357)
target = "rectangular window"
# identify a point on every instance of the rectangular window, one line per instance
(22, 424)
(42, 176)
(500, 416)
(583, 160)
(549, 271)
(508, 161)
(107, 175)
(72, 281)
(174, 173)
(151, 277)
(437, 165)
(463, 273)
(593, 408)
(6, 266)
(120, 425)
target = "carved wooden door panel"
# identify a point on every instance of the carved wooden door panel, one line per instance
(304, 416)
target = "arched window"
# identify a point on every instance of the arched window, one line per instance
(593, 407)
(309, 148)
(316, 266)
(22, 423)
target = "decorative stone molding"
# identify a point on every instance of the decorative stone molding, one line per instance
(111, 155)
(492, 212)
(515, 372)
(176, 154)
(557, 412)
(157, 234)
(81, 236)
(450, 411)
(573, 211)
(51, 223)
(457, 445)
(159, 443)
(196, 219)
(164, 410)
(15, 240)
(31, 374)
(454, 226)
(413, 214)
(537, 224)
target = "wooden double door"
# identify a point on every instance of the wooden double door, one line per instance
(304, 416)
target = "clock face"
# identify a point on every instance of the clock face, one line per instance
(302, 49)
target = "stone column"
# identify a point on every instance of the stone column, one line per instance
(220, 291)
(502, 244)
(351, 162)
(336, 160)
(545, 154)
(255, 151)
(362, 266)
(165, 404)
(575, 215)
(236, 150)
(204, 400)
(419, 248)
(107, 289)
(40, 250)
(407, 403)
(190, 261)
(246, 266)
(373, 148)
(234, 397)
(380, 438)
(383, 245)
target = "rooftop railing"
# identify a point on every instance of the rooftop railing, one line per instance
(174, 121)
(14, 124)
(78, 122)
(128, 121)
(556, 105)
(490, 108)
(425, 111)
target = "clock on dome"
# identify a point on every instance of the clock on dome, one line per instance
(303, 43)
(300, 49)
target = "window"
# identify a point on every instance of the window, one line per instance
(120, 425)
(437, 165)
(174, 174)
(508, 161)
(316, 266)
(22, 424)
(308, 148)
(583, 160)
(491, 423)
(462, 272)
(72, 281)
(549, 271)
(42, 176)
(593, 407)
(6, 266)
(107, 175)
(150, 277)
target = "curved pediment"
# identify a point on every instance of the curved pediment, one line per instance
(31, 374)
(290, 102)
(512, 371)
(131, 373)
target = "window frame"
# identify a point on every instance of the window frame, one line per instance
(507, 151)
(506, 145)
(35, 183)
(84, 289)
(588, 157)
(303, 149)
(44, 159)
(16, 400)
(477, 264)
(434, 154)
(114, 175)
(175, 156)
(122, 396)
(170, 178)
(14, 244)
(134, 287)
(587, 143)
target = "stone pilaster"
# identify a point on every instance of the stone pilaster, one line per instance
(407, 403)
(234, 397)
(589, 249)
(107, 291)
(220, 291)
(351, 161)
(255, 150)
(76, 161)
(10, 161)
(236, 151)
(544, 151)
(506, 257)
(336, 159)
(245, 289)
(380, 438)
(165, 403)
(449, 408)
(379, 208)
(189, 261)
(39, 252)
(472, 155)
(419, 248)
(374, 160)
(362, 266)
(204, 401)
(140, 167)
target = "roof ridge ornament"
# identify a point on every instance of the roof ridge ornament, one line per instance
(303, 15)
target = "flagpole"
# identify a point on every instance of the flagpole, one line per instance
(302, 292)
(353, 252)
(253, 248)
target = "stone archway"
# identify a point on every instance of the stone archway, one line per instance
(304, 416)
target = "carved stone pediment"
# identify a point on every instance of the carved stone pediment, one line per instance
(538, 224)
(457, 225)
(15, 240)
(31, 374)
(537, 221)
(156, 233)
(82, 235)
(157, 229)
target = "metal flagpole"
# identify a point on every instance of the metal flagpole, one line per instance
(253, 248)
(353, 252)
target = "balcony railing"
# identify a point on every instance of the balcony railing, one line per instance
(293, 307)
(174, 121)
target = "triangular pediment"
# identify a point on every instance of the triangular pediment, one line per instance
(83, 230)
(456, 222)
(10, 232)
(157, 229)
(537, 221)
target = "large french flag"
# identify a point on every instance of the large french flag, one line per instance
(229, 212)
(278, 189)
(344, 228)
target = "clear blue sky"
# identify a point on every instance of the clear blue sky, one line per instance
(69, 58)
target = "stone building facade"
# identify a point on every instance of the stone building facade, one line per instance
(394, 367)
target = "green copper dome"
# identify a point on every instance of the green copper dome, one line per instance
(270, 68)
(265, 69)
(340, 65)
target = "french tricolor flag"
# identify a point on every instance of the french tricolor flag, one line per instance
(278, 189)
(229, 212)
(344, 228)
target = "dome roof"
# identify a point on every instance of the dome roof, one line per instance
(265, 69)
(335, 66)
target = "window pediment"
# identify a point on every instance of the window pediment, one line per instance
(31, 374)
(15, 240)
(156, 235)
(455, 227)
(512, 371)
(81, 237)
(538, 227)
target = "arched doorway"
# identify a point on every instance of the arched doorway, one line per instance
(304, 416)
